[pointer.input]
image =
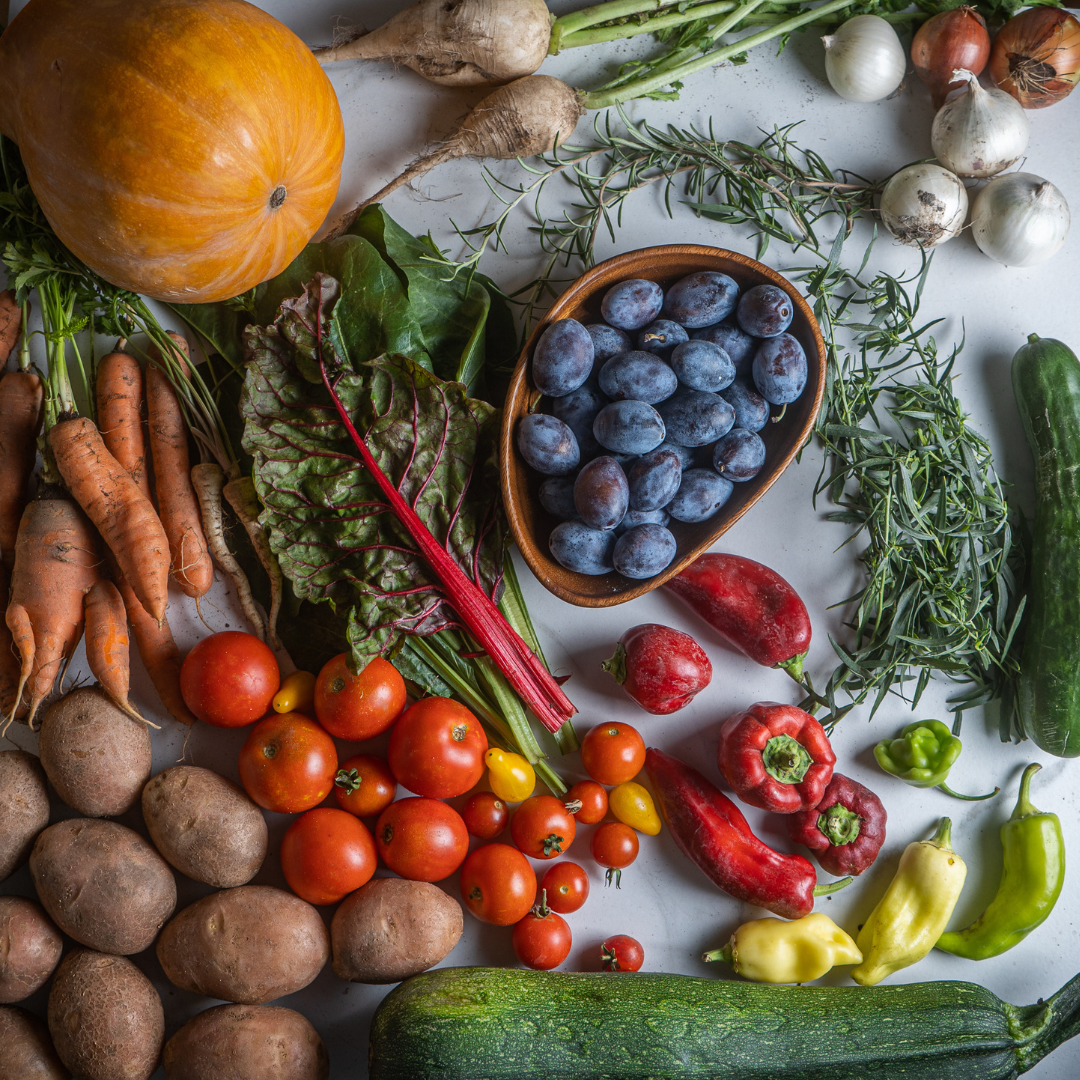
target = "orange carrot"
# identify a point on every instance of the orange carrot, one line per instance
(177, 505)
(56, 564)
(119, 414)
(10, 324)
(9, 664)
(114, 503)
(107, 644)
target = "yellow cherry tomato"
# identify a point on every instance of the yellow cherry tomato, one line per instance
(297, 694)
(633, 806)
(511, 777)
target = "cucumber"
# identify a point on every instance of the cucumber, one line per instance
(495, 1023)
(1046, 383)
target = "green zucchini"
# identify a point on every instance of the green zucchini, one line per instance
(1046, 383)
(510, 1024)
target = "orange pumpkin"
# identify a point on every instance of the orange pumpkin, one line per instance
(185, 149)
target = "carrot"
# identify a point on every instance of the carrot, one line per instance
(10, 324)
(177, 504)
(9, 664)
(107, 644)
(114, 503)
(119, 414)
(56, 564)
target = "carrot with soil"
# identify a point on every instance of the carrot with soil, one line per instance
(10, 667)
(119, 413)
(107, 644)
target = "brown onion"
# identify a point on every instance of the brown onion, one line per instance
(953, 39)
(1036, 56)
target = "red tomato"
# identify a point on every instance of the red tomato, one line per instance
(615, 846)
(357, 707)
(593, 799)
(229, 679)
(421, 839)
(498, 884)
(364, 785)
(437, 748)
(621, 953)
(542, 827)
(613, 753)
(567, 887)
(542, 939)
(288, 763)
(485, 815)
(327, 854)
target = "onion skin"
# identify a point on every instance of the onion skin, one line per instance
(952, 39)
(1036, 56)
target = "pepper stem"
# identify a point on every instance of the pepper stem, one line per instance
(943, 837)
(786, 759)
(793, 666)
(615, 665)
(1024, 807)
(727, 954)
(833, 886)
(967, 798)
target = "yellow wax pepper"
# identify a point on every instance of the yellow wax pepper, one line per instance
(633, 805)
(912, 914)
(778, 951)
(296, 694)
(510, 775)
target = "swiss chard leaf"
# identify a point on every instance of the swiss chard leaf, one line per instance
(336, 539)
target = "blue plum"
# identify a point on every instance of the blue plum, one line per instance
(700, 495)
(629, 427)
(780, 369)
(701, 299)
(653, 479)
(577, 410)
(586, 551)
(661, 337)
(739, 455)
(642, 517)
(547, 444)
(695, 417)
(608, 341)
(601, 493)
(638, 376)
(643, 551)
(751, 409)
(563, 358)
(765, 311)
(557, 497)
(632, 304)
(701, 365)
(685, 454)
(738, 344)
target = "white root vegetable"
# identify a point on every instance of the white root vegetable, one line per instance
(529, 116)
(458, 42)
(924, 205)
(209, 482)
(245, 503)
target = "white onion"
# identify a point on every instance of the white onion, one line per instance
(981, 132)
(864, 59)
(1020, 219)
(924, 205)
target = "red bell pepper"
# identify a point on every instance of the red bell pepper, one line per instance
(752, 607)
(776, 757)
(711, 832)
(846, 829)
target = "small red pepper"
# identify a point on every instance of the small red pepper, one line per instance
(711, 832)
(752, 607)
(660, 668)
(776, 757)
(846, 829)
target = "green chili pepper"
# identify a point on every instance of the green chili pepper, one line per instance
(923, 755)
(1031, 882)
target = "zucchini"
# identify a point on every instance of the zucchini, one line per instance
(494, 1023)
(1046, 383)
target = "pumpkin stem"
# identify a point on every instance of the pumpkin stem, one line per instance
(277, 196)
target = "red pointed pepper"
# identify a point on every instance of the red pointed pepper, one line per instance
(711, 832)
(845, 830)
(776, 757)
(752, 607)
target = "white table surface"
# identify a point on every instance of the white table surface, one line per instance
(392, 115)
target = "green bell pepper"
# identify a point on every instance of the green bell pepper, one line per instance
(922, 756)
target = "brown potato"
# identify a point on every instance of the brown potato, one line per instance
(105, 1017)
(205, 826)
(97, 757)
(250, 944)
(103, 884)
(27, 1052)
(246, 1042)
(24, 807)
(30, 948)
(392, 928)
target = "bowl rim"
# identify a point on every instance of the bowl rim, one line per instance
(520, 389)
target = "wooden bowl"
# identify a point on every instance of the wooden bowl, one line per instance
(532, 524)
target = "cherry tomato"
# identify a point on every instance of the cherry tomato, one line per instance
(542, 939)
(485, 815)
(542, 827)
(567, 887)
(288, 763)
(615, 846)
(613, 753)
(357, 707)
(229, 679)
(437, 748)
(421, 839)
(621, 953)
(511, 776)
(364, 785)
(498, 884)
(633, 805)
(327, 854)
(593, 799)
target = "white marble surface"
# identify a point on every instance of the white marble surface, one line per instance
(665, 902)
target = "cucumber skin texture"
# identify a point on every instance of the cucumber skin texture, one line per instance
(1046, 383)
(498, 1024)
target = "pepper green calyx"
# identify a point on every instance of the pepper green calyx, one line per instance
(943, 837)
(1024, 807)
(727, 954)
(615, 665)
(840, 825)
(786, 760)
